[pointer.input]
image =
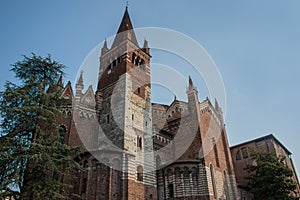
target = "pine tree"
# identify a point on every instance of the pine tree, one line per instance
(270, 178)
(31, 153)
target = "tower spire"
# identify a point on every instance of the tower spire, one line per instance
(79, 87)
(191, 84)
(146, 46)
(80, 80)
(104, 48)
(191, 87)
(125, 31)
(60, 82)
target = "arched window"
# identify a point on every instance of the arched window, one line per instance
(226, 185)
(171, 190)
(238, 155)
(140, 173)
(85, 164)
(94, 164)
(245, 152)
(158, 161)
(216, 151)
(186, 181)
(62, 134)
(195, 181)
(84, 184)
(137, 61)
(107, 119)
(84, 178)
(139, 142)
(133, 58)
(213, 181)
(114, 63)
(142, 65)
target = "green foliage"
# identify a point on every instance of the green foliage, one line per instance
(270, 178)
(30, 149)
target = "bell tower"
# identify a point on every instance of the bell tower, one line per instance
(123, 108)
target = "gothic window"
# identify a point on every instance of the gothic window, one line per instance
(133, 58)
(84, 178)
(114, 63)
(94, 164)
(85, 164)
(238, 155)
(158, 161)
(244, 152)
(171, 190)
(119, 59)
(142, 65)
(83, 188)
(186, 181)
(107, 119)
(194, 180)
(62, 133)
(213, 180)
(139, 142)
(140, 173)
(137, 61)
(216, 151)
(139, 90)
(226, 185)
(132, 117)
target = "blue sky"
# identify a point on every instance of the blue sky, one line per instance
(255, 44)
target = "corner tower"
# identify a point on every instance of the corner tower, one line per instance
(124, 112)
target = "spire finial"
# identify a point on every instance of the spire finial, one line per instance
(125, 26)
(191, 81)
(191, 84)
(127, 4)
(145, 43)
(105, 43)
(80, 80)
(60, 83)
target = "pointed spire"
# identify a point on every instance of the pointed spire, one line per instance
(105, 44)
(59, 82)
(125, 25)
(80, 80)
(79, 87)
(104, 48)
(191, 84)
(146, 48)
(217, 107)
(145, 43)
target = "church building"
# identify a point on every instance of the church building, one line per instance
(137, 149)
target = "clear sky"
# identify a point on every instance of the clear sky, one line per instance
(255, 44)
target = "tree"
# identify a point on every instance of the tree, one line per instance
(270, 178)
(32, 156)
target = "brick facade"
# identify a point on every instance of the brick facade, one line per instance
(241, 158)
(119, 125)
